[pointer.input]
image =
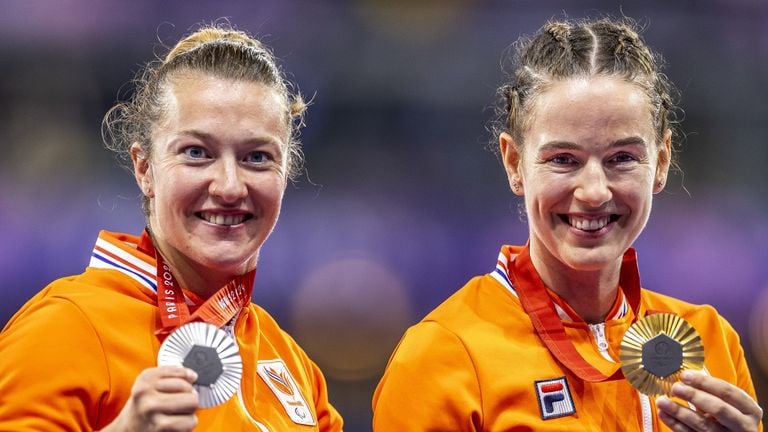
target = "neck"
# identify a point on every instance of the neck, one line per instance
(591, 293)
(203, 284)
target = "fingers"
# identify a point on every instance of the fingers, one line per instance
(166, 388)
(672, 422)
(174, 379)
(170, 423)
(719, 406)
(162, 399)
(169, 372)
(683, 419)
(721, 391)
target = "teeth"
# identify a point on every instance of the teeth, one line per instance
(226, 220)
(588, 224)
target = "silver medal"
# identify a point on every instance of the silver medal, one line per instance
(209, 351)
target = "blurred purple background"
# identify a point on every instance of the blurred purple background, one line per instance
(402, 203)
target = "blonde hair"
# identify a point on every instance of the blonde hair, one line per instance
(219, 50)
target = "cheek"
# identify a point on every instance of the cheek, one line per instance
(278, 197)
(644, 201)
(539, 205)
(176, 188)
(543, 190)
(638, 190)
(269, 192)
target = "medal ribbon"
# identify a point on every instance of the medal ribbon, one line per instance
(540, 308)
(217, 310)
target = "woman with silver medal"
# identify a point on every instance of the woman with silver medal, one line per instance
(159, 332)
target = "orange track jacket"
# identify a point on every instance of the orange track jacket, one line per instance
(69, 356)
(476, 363)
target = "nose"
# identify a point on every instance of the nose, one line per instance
(228, 184)
(593, 186)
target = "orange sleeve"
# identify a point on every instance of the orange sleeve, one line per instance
(430, 384)
(743, 377)
(328, 419)
(51, 368)
(740, 362)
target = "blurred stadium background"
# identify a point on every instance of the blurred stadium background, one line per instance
(402, 202)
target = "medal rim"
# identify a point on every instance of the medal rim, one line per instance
(645, 330)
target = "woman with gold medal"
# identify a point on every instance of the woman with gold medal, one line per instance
(555, 338)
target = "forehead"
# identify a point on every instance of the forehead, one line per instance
(200, 100)
(593, 109)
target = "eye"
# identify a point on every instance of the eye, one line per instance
(195, 152)
(563, 159)
(258, 157)
(622, 158)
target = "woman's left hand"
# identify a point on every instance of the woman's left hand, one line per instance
(720, 406)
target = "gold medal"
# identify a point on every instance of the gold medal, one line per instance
(656, 349)
(209, 351)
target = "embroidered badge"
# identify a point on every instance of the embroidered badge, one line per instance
(282, 384)
(554, 398)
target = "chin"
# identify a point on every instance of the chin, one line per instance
(227, 269)
(591, 259)
(224, 262)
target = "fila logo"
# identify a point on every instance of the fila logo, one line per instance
(554, 398)
(278, 378)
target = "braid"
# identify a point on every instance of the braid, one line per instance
(564, 50)
(510, 95)
(560, 32)
(621, 46)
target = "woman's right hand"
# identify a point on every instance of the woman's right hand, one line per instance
(162, 399)
(720, 406)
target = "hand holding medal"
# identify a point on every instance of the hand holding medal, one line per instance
(656, 349)
(201, 345)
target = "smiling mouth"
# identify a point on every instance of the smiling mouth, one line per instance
(224, 220)
(591, 224)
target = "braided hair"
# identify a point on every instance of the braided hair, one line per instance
(561, 50)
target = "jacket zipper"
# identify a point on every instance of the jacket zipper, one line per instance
(598, 333)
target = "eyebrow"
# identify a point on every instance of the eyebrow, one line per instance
(567, 145)
(204, 136)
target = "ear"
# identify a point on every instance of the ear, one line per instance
(511, 157)
(663, 161)
(142, 169)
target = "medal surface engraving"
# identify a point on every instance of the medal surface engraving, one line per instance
(205, 361)
(656, 349)
(209, 351)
